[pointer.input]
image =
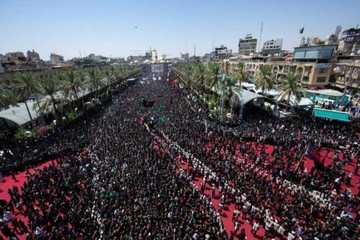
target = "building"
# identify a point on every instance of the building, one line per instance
(154, 56)
(272, 47)
(346, 74)
(157, 68)
(33, 57)
(185, 57)
(2, 58)
(312, 75)
(222, 52)
(135, 59)
(247, 46)
(350, 42)
(15, 57)
(56, 59)
(321, 53)
(312, 64)
(97, 58)
(148, 55)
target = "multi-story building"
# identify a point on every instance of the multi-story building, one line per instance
(148, 55)
(247, 46)
(222, 52)
(319, 53)
(346, 73)
(56, 59)
(136, 59)
(185, 57)
(33, 56)
(15, 57)
(2, 58)
(310, 74)
(350, 42)
(272, 47)
(313, 65)
(97, 58)
(154, 56)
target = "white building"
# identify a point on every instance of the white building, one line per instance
(56, 59)
(273, 46)
(154, 56)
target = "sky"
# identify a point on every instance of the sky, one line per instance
(118, 28)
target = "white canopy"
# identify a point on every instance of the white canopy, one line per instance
(328, 92)
(302, 102)
(246, 96)
(18, 114)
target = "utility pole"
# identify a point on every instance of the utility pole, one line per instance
(260, 37)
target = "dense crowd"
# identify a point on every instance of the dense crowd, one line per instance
(119, 188)
(278, 181)
(126, 185)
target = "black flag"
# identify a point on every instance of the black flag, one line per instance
(301, 31)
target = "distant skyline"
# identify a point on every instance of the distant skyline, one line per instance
(122, 28)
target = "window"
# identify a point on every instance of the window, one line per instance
(322, 70)
(321, 79)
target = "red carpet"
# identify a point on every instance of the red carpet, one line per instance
(324, 155)
(227, 213)
(20, 178)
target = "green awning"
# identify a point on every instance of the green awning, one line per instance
(331, 114)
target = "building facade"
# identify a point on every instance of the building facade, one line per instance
(185, 57)
(273, 46)
(346, 74)
(320, 54)
(56, 59)
(15, 57)
(154, 56)
(350, 42)
(247, 45)
(312, 75)
(33, 56)
(222, 52)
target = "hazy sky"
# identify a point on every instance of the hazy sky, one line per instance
(119, 28)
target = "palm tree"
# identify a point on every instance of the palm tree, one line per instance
(291, 86)
(8, 97)
(25, 86)
(264, 78)
(95, 82)
(198, 75)
(239, 74)
(49, 84)
(212, 73)
(72, 83)
(184, 74)
(109, 74)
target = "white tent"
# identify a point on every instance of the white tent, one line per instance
(245, 96)
(18, 114)
(302, 102)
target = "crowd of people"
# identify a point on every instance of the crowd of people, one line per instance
(319, 202)
(120, 187)
(126, 185)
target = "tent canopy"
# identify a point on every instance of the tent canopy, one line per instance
(18, 114)
(327, 92)
(246, 96)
